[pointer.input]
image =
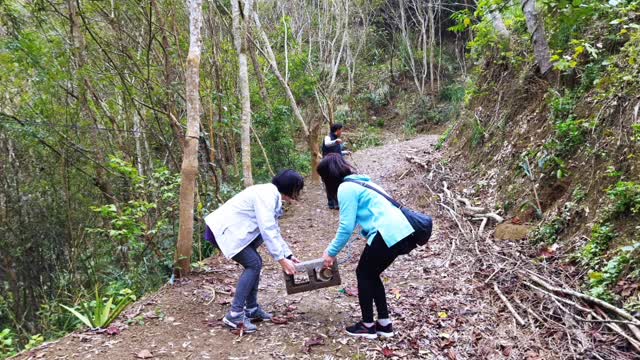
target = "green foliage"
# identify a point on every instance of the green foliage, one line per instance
(625, 196)
(444, 137)
(601, 281)
(409, 126)
(549, 232)
(377, 98)
(601, 237)
(454, 93)
(34, 342)
(367, 137)
(636, 132)
(7, 344)
(101, 312)
(478, 133)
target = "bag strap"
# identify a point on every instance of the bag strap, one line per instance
(391, 200)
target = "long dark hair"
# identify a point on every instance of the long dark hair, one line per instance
(333, 169)
(289, 182)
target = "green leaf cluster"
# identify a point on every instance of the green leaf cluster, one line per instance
(101, 312)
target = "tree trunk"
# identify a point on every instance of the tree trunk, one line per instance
(316, 155)
(190, 156)
(240, 42)
(498, 24)
(535, 25)
(432, 46)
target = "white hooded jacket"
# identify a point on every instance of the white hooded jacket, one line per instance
(252, 212)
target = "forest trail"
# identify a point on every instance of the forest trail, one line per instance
(441, 308)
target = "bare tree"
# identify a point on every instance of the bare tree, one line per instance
(239, 29)
(189, 169)
(535, 25)
(311, 131)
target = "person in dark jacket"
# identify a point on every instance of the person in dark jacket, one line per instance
(333, 144)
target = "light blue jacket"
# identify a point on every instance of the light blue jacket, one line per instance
(370, 210)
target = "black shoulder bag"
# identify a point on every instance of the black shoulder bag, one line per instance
(421, 223)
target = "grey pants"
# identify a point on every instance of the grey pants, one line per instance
(247, 287)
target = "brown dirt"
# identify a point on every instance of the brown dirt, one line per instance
(439, 311)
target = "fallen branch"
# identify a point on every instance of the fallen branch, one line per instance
(482, 225)
(469, 207)
(634, 342)
(620, 312)
(213, 293)
(499, 219)
(508, 304)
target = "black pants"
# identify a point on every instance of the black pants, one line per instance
(374, 260)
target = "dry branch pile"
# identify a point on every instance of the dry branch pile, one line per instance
(535, 289)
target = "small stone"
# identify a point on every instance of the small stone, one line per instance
(512, 232)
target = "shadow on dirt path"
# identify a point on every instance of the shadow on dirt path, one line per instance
(436, 308)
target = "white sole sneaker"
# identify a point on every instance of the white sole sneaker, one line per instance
(366, 336)
(385, 335)
(233, 325)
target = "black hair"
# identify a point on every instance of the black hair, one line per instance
(335, 127)
(333, 169)
(289, 183)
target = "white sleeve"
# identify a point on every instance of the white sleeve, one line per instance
(265, 206)
(328, 141)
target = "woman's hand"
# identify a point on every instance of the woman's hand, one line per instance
(287, 266)
(328, 260)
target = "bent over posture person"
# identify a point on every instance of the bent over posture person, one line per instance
(239, 227)
(383, 225)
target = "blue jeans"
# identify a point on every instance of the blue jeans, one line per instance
(247, 287)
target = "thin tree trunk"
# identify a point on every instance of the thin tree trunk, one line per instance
(535, 25)
(432, 44)
(240, 41)
(190, 156)
(136, 137)
(261, 83)
(264, 152)
(310, 136)
(271, 58)
(79, 53)
(498, 24)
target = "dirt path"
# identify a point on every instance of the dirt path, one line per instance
(441, 310)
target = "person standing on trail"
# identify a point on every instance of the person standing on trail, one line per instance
(239, 227)
(383, 225)
(332, 144)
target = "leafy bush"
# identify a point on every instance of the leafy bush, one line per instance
(378, 98)
(98, 313)
(454, 93)
(601, 237)
(34, 342)
(626, 198)
(7, 344)
(478, 133)
(369, 136)
(444, 137)
(601, 281)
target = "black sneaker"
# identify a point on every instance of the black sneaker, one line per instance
(384, 331)
(362, 331)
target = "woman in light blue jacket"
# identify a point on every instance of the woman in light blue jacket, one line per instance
(383, 225)
(239, 227)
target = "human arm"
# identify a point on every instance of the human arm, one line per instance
(265, 206)
(348, 200)
(330, 143)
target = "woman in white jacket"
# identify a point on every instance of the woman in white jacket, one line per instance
(239, 227)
